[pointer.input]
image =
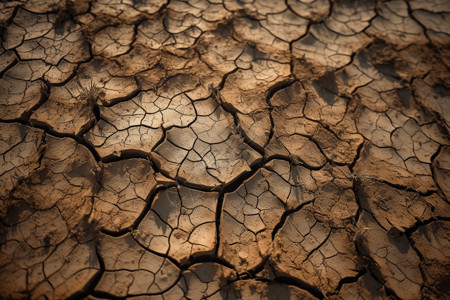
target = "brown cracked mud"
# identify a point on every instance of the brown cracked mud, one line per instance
(224, 149)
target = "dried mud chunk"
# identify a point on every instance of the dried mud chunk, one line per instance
(441, 167)
(26, 26)
(248, 30)
(126, 10)
(434, 22)
(131, 270)
(109, 77)
(395, 130)
(152, 110)
(348, 18)
(152, 34)
(340, 143)
(302, 148)
(13, 36)
(256, 126)
(219, 50)
(437, 25)
(291, 96)
(297, 134)
(257, 8)
(184, 26)
(188, 75)
(41, 260)
(208, 11)
(286, 25)
(65, 112)
(375, 95)
(40, 39)
(375, 74)
(113, 41)
(323, 105)
(42, 230)
(295, 185)
(37, 6)
(405, 208)
(335, 203)
(125, 186)
(147, 114)
(245, 90)
(140, 61)
(375, 127)
(194, 82)
(206, 153)
(289, 101)
(77, 7)
(416, 60)
(393, 258)
(61, 72)
(174, 31)
(13, 286)
(314, 253)
(292, 185)
(7, 58)
(363, 76)
(32, 70)
(22, 88)
(249, 289)
(69, 269)
(434, 98)
(181, 224)
(395, 26)
(340, 149)
(110, 142)
(274, 33)
(315, 10)
(69, 108)
(432, 241)
(17, 97)
(435, 6)
(386, 164)
(249, 215)
(329, 49)
(409, 141)
(366, 287)
(21, 148)
(7, 10)
(201, 281)
(290, 124)
(66, 179)
(251, 212)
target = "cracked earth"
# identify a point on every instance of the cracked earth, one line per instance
(224, 149)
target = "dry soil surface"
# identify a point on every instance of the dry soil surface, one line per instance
(224, 149)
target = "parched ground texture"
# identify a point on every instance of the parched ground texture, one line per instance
(225, 149)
